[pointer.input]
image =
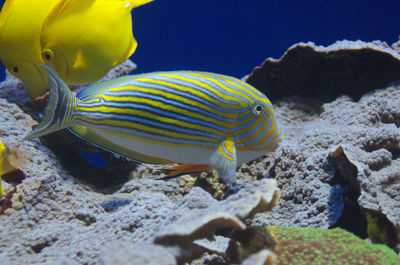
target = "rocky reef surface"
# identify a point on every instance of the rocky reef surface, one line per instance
(338, 166)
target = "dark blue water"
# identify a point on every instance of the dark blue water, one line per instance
(231, 37)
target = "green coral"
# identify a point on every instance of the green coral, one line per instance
(319, 246)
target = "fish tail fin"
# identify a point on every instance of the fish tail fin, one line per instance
(58, 112)
(136, 3)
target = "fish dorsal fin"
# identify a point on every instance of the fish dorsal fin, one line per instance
(23, 19)
(135, 3)
(88, 134)
(5, 12)
(63, 6)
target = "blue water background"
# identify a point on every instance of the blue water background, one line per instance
(231, 37)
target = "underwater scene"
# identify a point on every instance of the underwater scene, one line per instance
(199, 132)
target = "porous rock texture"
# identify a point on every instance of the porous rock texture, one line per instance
(54, 219)
(337, 164)
(51, 218)
(68, 148)
(340, 160)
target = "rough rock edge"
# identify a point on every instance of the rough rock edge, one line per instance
(309, 70)
(179, 236)
(209, 221)
(394, 238)
(396, 46)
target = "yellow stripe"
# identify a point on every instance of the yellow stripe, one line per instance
(157, 142)
(228, 125)
(206, 86)
(229, 147)
(139, 113)
(243, 87)
(170, 96)
(148, 129)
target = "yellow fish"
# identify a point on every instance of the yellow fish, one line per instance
(8, 163)
(84, 39)
(20, 26)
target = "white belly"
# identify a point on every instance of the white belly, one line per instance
(184, 155)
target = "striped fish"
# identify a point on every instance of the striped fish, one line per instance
(197, 119)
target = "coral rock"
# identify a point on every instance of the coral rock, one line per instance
(345, 67)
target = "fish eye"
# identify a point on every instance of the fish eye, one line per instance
(258, 108)
(47, 54)
(15, 69)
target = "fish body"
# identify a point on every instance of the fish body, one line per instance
(198, 119)
(7, 163)
(20, 26)
(84, 39)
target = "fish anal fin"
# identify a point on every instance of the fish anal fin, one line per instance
(224, 161)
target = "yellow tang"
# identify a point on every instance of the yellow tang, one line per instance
(9, 161)
(84, 39)
(20, 26)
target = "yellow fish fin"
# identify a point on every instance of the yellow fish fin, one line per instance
(135, 3)
(63, 6)
(224, 160)
(129, 52)
(80, 61)
(5, 11)
(6, 165)
(184, 169)
(88, 134)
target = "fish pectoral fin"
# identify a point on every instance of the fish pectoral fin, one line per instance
(184, 169)
(80, 61)
(224, 161)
